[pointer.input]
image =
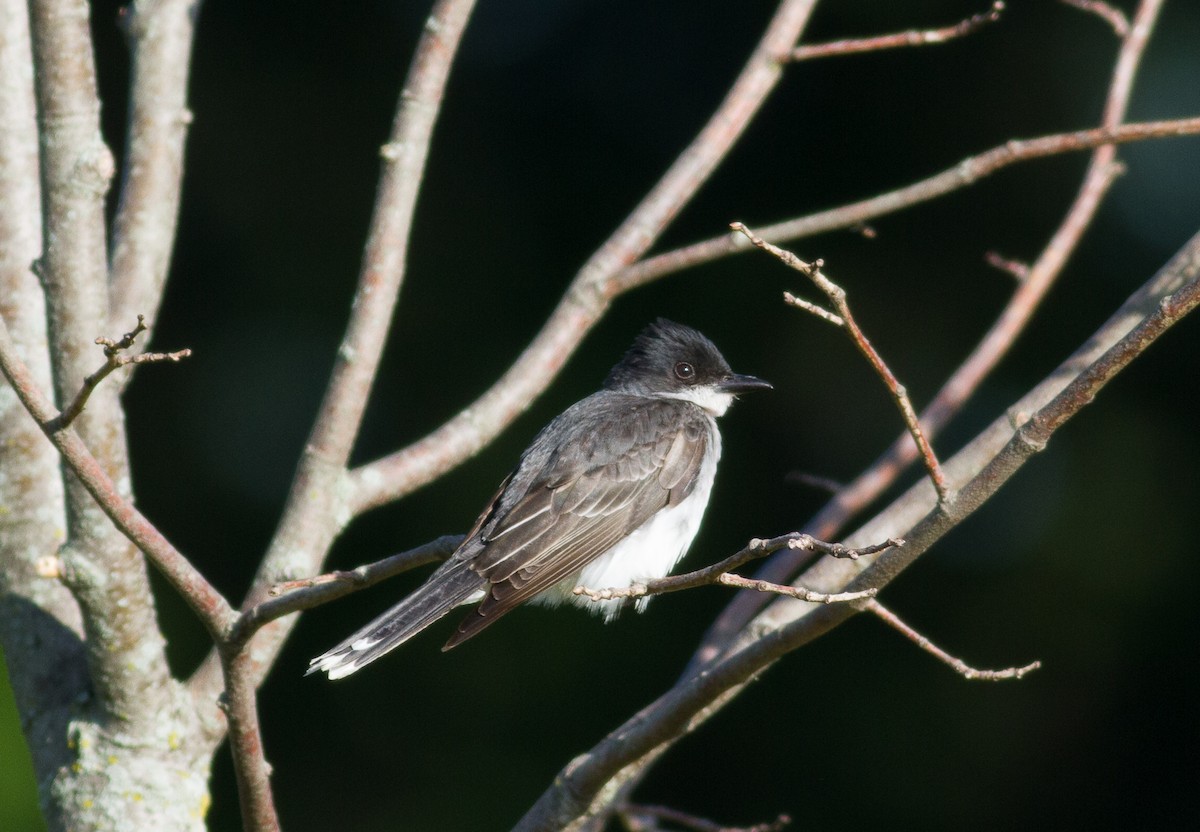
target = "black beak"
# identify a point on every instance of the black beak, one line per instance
(742, 384)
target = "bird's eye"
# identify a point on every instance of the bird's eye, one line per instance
(685, 371)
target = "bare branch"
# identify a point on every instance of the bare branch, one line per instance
(639, 818)
(113, 360)
(965, 173)
(1111, 15)
(837, 296)
(293, 596)
(797, 592)
(143, 232)
(912, 37)
(962, 668)
(1014, 268)
(826, 484)
(812, 308)
(719, 573)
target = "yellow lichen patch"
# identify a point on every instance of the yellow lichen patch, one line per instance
(201, 811)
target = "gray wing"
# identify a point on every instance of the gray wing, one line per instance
(611, 474)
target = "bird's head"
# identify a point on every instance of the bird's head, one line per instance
(670, 360)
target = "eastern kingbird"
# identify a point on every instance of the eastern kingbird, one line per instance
(609, 494)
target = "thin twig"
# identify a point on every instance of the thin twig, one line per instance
(293, 596)
(962, 668)
(837, 296)
(911, 37)
(1014, 268)
(827, 484)
(719, 573)
(964, 174)
(1111, 15)
(798, 592)
(807, 306)
(113, 360)
(639, 817)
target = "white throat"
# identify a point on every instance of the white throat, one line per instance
(708, 397)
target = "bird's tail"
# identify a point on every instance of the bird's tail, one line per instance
(451, 585)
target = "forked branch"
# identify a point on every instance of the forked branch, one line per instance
(721, 572)
(960, 667)
(114, 358)
(845, 319)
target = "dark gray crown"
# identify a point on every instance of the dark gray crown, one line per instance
(655, 362)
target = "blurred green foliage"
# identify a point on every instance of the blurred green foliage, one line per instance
(18, 789)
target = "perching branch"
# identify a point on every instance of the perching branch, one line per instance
(912, 37)
(720, 573)
(962, 668)
(844, 319)
(798, 592)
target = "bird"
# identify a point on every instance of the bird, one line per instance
(610, 493)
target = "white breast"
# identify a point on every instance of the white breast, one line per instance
(650, 552)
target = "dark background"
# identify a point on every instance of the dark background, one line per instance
(559, 116)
